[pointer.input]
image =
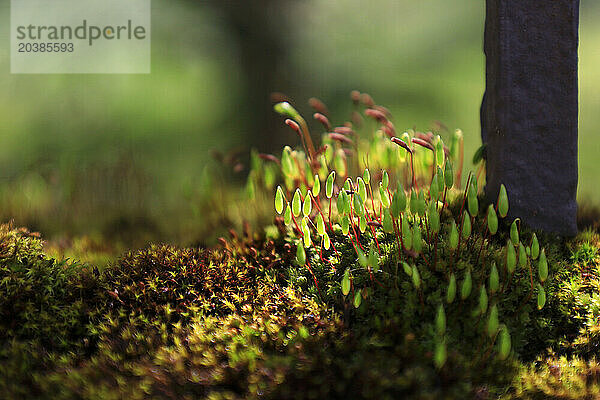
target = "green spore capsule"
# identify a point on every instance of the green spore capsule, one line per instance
(414, 202)
(441, 184)
(406, 234)
(329, 185)
(478, 156)
(417, 242)
(535, 247)
(398, 202)
(522, 255)
(284, 108)
(453, 236)
(504, 343)
(385, 180)
(316, 189)
(287, 216)
(466, 229)
(279, 200)
(320, 225)
(433, 217)
(296, 203)
(388, 225)
(306, 234)
(402, 200)
(307, 206)
(341, 202)
(448, 174)
(357, 299)
(440, 321)
(514, 232)
(407, 268)
(326, 241)
(373, 258)
(362, 258)
(511, 257)
(345, 224)
(416, 277)
(362, 189)
(493, 323)
(483, 300)
(439, 151)
(355, 203)
(385, 200)
(494, 279)
(346, 283)
(472, 202)
(362, 224)
(421, 203)
(451, 293)
(543, 267)
(467, 285)
(434, 188)
(348, 203)
(367, 176)
(347, 184)
(541, 297)
(300, 255)
(440, 354)
(502, 202)
(492, 220)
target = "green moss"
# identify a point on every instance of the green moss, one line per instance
(557, 378)
(179, 283)
(41, 299)
(405, 303)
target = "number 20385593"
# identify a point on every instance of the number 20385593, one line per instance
(45, 47)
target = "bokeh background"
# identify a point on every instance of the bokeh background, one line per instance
(132, 157)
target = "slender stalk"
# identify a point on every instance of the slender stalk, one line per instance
(328, 220)
(412, 171)
(461, 154)
(400, 242)
(373, 202)
(314, 277)
(297, 227)
(307, 138)
(373, 232)
(462, 216)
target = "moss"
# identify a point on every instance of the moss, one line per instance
(41, 299)
(178, 283)
(558, 378)
(281, 315)
(92, 249)
(171, 322)
(239, 358)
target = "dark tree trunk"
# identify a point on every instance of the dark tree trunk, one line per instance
(529, 114)
(260, 29)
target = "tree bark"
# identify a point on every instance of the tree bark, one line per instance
(529, 114)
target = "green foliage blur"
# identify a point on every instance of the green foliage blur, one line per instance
(126, 155)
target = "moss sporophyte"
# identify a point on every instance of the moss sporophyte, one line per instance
(397, 200)
(384, 270)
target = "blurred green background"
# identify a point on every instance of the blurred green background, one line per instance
(126, 155)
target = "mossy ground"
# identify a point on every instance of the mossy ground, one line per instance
(244, 321)
(402, 305)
